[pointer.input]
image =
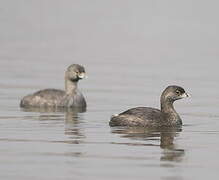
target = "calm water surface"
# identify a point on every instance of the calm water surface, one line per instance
(131, 52)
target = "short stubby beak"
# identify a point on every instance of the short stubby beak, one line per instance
(82, 75)
(184, 95)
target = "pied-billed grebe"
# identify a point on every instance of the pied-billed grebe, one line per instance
(71, 97)
(151, 117)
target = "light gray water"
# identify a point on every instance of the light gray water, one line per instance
(131, 51)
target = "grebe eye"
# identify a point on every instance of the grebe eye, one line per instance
(178, 92)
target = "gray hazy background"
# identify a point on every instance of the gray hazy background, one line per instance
(131, 49)
(104, 31)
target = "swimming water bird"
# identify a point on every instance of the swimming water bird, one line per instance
(71, 97)
(151, 117)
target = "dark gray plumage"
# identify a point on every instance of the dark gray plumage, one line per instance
(151, 117)
(71, 97)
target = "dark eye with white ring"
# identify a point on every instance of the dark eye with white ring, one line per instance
(178, 92)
